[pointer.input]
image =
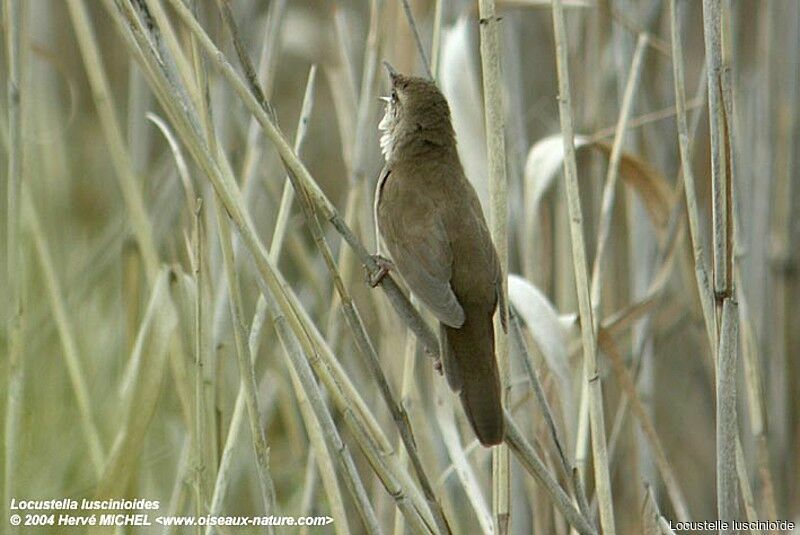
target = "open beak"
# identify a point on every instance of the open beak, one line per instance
(390, 70)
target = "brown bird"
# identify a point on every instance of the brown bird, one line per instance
(431, 222)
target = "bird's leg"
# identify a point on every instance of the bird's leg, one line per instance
(384, 267)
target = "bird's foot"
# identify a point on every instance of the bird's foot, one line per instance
(437, 365)
(384, 267)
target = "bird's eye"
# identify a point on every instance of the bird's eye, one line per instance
(394, 95)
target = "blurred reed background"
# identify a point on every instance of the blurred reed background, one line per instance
(186, 322)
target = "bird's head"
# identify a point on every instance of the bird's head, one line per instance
(416, 111)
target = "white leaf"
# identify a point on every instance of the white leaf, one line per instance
(545, 159)
(542, 3)
(549, 330)
(460, 83)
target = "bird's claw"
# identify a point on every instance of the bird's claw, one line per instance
(384, 267)
(437, 365)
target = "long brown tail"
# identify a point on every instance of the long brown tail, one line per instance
(471, 369)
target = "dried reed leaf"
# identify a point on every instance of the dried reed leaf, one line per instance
(549, 330)
(648, 183)
(141, 388)
(545, 160)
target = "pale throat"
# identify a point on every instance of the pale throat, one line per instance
(386, 126)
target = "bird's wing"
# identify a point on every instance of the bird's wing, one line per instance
(424, 258)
